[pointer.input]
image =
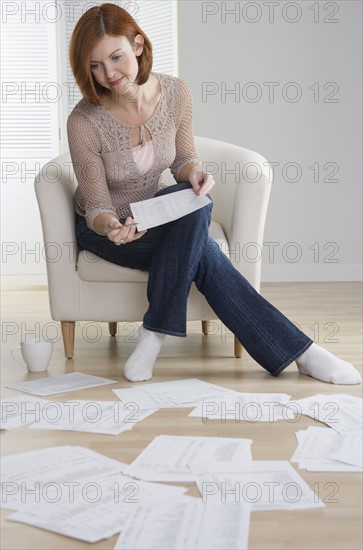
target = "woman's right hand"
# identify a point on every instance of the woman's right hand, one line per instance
(121, 234)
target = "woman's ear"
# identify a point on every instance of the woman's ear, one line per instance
(138, 44)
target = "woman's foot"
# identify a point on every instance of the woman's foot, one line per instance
(140, 364)
(319, 363)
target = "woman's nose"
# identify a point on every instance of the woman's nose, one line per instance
(109, 71)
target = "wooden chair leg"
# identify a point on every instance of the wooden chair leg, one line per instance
(112, 327)
(205, 327)
(68, 331)
(238, 348)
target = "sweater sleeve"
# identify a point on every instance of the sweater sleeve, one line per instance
(184, 139)
(85, 151)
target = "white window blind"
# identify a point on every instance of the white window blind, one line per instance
(37, 94)
(30, 98)
(156, 18)
(30, 90)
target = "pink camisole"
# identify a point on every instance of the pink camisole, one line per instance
(144, 156)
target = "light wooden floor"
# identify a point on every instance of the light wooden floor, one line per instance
(330, 313)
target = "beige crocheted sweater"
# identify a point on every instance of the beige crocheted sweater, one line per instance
(101, 151)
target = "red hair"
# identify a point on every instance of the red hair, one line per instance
(95, 23)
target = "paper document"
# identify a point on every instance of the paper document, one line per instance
(264, 484)
(19, 410)
(99, 511)
(186, 523)
(350, 451)
(167, 457)
(164, 209)
(103, 417)
(50, 385)
(341, 412)
(325, 450)
(178, 393)
(253, 407)
(50, 474)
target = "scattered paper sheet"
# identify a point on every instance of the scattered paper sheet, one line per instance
(341, 412)
(186, 523)
(99, 512)
(80, 493)
(60, 384)
(103, 417)
(253, 407)
(164, 209)
(318, 450)
(167, 457)
(178, 393)
(350, 451)
(264, 484)
(19, 410)
(60, 470)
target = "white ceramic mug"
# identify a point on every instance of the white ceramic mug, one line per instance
(36, 354)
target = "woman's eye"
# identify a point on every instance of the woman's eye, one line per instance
(93, 67)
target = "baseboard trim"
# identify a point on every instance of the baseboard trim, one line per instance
(23, 280)
(271, 273)
(311, 273)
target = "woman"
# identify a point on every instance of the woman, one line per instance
(130, 125)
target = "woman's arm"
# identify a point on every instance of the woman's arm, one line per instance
(120, 234)
(183, 174)
(85, 151)
(185, 152)
(104, 220)
(186, 165)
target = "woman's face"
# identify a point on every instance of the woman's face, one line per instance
(113, 63)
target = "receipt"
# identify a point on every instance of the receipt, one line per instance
(166, 208)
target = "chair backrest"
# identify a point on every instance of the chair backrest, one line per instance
(56, 183)
(236, 170)
(240, 196)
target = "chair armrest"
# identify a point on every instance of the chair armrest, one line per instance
(246, 235)
(240, 200)
(54, 188)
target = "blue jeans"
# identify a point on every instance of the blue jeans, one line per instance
(176, 254)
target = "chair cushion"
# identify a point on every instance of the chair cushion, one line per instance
(92, 268)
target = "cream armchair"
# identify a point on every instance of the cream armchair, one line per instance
(84, 287)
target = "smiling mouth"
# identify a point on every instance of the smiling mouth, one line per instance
(115, 82)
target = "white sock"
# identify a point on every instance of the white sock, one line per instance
(319, 363)
(140, 364)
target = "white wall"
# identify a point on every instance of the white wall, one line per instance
(222, 50)
(229, 51)
(35, 37)
(29, 133)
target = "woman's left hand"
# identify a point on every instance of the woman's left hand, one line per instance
(202, 182)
